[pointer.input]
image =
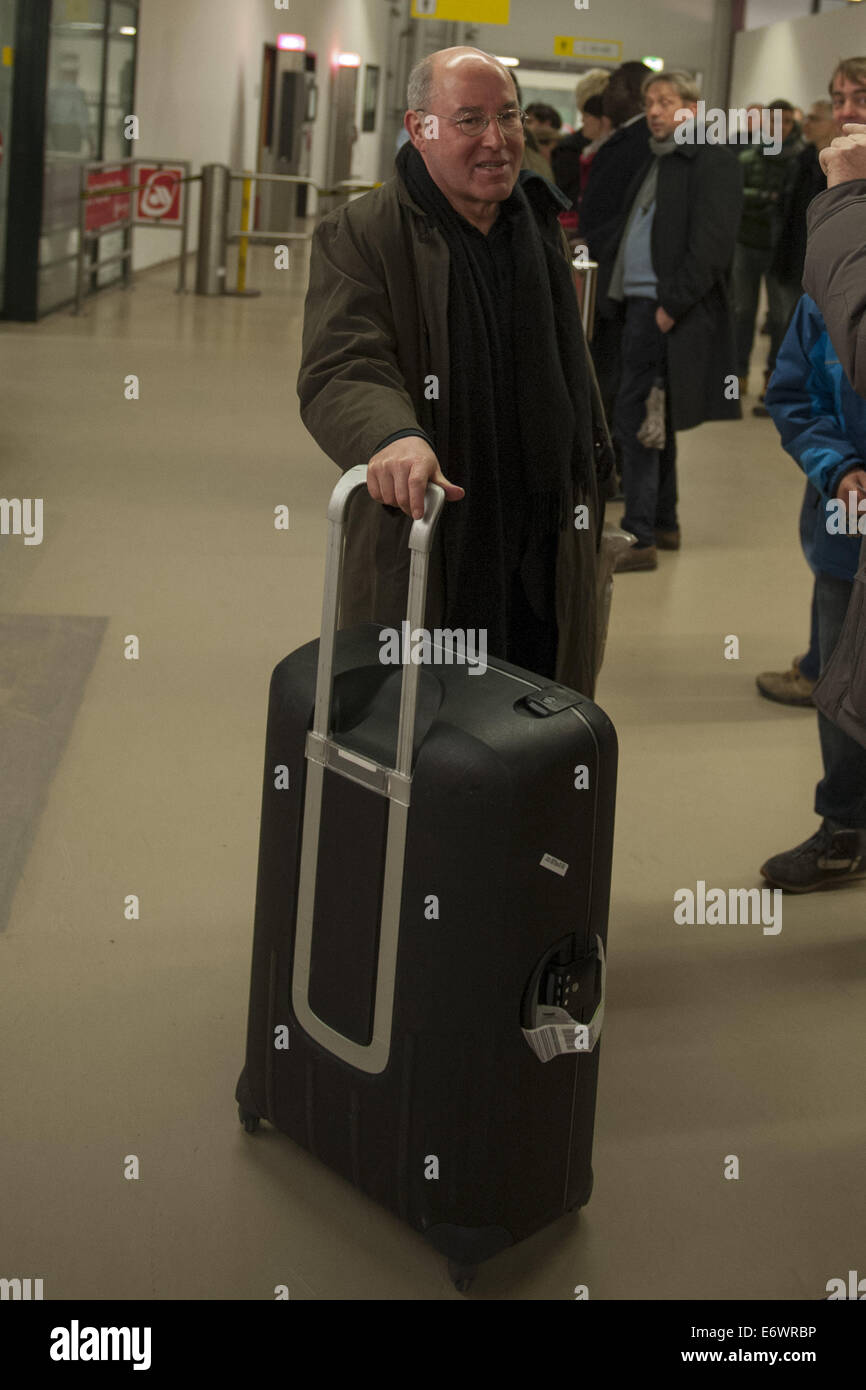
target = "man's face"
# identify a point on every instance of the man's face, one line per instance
(786, 122)
(818, 127)
(665, 109)
(849, 101)
(470, 169)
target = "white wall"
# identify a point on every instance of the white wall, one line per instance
(795, 59)
(199, 73)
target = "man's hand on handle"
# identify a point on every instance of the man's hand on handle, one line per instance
(845, 158)
(398, 476)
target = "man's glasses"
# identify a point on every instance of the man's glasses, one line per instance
(510, 122)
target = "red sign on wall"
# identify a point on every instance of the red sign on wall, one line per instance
(161, 199)
(116, 207)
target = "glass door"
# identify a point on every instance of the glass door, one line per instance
(91, 80)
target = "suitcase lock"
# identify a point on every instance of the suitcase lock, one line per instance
(555, 1032)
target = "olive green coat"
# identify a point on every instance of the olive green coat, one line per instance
(375, 334)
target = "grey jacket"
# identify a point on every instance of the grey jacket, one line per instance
(835, 272)
(835, 277)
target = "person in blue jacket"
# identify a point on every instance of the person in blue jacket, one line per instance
(822, 424)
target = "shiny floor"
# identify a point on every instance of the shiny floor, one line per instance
(122, 1036)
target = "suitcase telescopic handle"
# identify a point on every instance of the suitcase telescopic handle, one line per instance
(369, 1057)
(420, 545)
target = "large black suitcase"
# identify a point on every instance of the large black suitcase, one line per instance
(431, 917)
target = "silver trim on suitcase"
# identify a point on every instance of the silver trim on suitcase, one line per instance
(395, 783)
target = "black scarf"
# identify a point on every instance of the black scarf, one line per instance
(546, 361)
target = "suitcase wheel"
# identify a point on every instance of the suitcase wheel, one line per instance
(462, 1276)
(249, 1121)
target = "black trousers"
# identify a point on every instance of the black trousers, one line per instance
(649, 476)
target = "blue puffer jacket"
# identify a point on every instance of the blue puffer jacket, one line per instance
(822, 424)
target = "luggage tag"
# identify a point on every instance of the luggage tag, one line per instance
(556, 1033)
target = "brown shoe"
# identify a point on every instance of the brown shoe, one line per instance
(668, 540)
(786, 687)
(644, 557)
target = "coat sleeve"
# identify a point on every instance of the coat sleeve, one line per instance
(351, 388)
(835, 272)
(802, 401)
(717, 200)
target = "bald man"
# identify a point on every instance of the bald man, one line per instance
(442, 341)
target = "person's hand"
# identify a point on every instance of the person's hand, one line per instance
(398, 475)
(845, 158)
(855, 482)
(664, 320)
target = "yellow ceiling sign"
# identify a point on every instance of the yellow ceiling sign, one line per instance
(602, 50)
(467, 11)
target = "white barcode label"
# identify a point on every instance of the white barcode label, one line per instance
(557, 1034)
(558, 866)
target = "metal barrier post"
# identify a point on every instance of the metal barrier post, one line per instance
(246, 235)
(82, 241)
(184, 234)
(213, 229)
(245, 227)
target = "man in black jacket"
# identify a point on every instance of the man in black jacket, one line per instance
(671, 273)
(620, 158)
(806, 179)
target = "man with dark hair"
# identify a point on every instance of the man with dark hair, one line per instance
(533, 159)
(624, 154)
(539, 113)
(806, 179)
(620, 158)
(442, 333)
(545, 124)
